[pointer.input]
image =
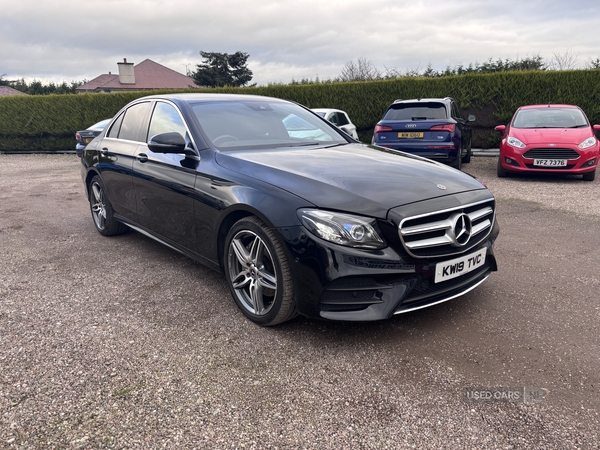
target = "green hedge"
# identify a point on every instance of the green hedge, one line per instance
(49, 122)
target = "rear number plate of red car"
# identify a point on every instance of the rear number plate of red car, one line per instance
(410, 135)
(459, 266)
(550, 162)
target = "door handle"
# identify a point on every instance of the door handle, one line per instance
(142, 157)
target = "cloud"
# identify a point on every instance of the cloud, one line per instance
(287, 39)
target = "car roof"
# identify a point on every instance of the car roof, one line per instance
(326, 110)
(424, 100)
(100, 124)
(549, 106)
(207, 97)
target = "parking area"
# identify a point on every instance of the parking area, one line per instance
(121, 342)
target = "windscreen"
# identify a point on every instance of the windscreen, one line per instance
(550, 118)
(253, 124)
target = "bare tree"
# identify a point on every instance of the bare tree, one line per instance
(563, 61)
(361, 70)
(393, 72)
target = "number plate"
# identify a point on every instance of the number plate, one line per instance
(459, 266)
(410, 135)
(550, 162)
(88, 140)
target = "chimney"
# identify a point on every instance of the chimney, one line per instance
(126, 72)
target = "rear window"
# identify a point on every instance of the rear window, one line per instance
(416, 111)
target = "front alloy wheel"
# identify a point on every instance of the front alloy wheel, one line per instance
(258, 274)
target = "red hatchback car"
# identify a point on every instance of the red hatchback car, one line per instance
(549, 138)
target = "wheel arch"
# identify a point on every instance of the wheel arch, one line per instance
(230, 218)
(88, 180)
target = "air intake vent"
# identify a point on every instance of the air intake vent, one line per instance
(551, 153)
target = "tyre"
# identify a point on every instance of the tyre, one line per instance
(457, 164)
(258, 273)
(590, 176)
(501, 171)
(102, 211)
(467, 158)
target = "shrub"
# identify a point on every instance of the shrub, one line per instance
(50, 122)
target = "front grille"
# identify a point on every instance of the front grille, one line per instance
(551, 153)
(440, 233)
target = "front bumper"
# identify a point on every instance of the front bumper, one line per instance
(339, 283)
(378, 297)
(514, 160)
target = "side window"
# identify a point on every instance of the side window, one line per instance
(114, 130)
(342, 119)
(456, 111)
(165, 119)
(333, 118)
(131, 128)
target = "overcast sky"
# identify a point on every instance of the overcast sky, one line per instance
(68, 40)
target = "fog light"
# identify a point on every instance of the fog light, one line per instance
(589, 163)
(508, 160)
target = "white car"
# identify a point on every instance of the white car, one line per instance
(339, 118)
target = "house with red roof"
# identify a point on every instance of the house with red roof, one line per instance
(146, 75)
(7, 91)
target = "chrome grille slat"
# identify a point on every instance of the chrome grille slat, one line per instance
(435, 234)
(480, 227)
(432, 242)
(476, 215)
(433, 226)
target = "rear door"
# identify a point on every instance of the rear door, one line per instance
(116, 155)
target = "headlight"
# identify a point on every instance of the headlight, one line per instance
(587, 143)
(342, 229)
(514, 142)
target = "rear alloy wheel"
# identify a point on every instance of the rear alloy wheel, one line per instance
(501, 171)
(590, 176)
(102, 211)
(258, 273)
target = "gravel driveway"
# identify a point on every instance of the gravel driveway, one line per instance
(123, 343)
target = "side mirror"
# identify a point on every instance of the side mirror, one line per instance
(171, 142)
(500, 128)
(596, 127)
(471, 118)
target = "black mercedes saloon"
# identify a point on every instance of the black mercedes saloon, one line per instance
(300, 217)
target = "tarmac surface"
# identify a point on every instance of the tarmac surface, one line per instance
(123, 343)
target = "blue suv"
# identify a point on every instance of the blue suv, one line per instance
(430, 127)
